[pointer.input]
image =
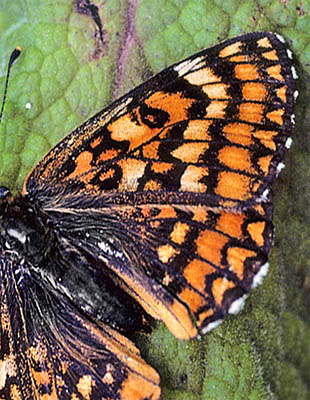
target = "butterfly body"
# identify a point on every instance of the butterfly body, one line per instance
(161, 203)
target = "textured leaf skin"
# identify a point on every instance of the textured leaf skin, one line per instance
(264, 349)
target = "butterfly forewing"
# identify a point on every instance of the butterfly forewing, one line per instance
(215, 124)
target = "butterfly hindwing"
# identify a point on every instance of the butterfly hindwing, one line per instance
(185, 264)
(50, 350)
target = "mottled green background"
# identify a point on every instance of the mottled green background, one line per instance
(67, 72)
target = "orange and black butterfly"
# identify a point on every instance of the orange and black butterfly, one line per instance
(159, 204)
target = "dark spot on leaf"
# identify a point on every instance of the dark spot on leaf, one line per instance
(85, 7)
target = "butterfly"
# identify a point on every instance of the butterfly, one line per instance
(160, 204)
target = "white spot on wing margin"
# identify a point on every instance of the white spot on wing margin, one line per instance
(237, 305)
(210, 326)
(258, 278)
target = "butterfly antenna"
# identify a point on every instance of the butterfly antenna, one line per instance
(15, 54)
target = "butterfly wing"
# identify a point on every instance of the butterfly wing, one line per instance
(187, 265)
(215, 125)
(50, 350)
(175, 179)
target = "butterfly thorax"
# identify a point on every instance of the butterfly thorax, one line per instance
(24, 230)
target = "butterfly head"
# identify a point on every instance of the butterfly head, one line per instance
(21, 229)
